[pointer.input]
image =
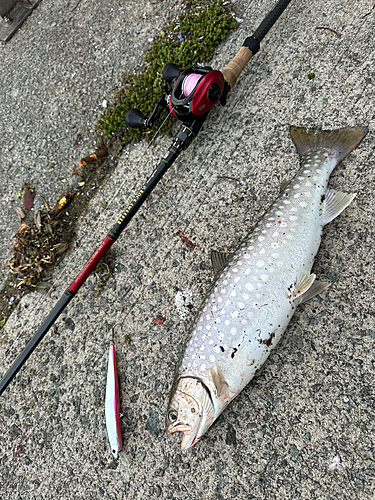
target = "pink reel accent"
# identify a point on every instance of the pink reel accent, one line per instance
(190, 83)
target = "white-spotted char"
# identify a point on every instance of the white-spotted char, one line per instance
(260, 287)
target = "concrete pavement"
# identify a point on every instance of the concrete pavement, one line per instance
(304, 427)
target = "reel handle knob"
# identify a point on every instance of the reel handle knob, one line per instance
(170, 72)
(135, 119)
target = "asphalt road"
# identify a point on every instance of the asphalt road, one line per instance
(304, 427)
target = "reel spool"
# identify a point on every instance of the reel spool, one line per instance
(194, 92)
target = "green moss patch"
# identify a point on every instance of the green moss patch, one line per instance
(186, 41)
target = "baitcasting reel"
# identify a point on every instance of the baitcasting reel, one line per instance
(194, 92)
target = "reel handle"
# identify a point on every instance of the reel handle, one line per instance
(170, 72)
(135, 119)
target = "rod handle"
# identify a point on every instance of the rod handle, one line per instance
(232, 70)
(251, 45)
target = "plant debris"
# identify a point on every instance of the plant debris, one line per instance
(45, 234)
(328, 29)
(100, 153)
(102, 273)
(28, 199)
(36, 248)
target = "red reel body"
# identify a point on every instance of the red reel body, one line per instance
(195, 92)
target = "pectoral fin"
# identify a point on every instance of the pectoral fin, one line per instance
(219, 381)
(303, 283)
(335, 202)
(306, 287)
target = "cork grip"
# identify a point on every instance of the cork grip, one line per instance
(233, 69)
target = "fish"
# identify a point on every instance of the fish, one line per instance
(258, 287)
(112, 405)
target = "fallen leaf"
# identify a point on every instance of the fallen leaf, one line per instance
(28, 199)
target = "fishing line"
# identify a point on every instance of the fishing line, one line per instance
(188, 86)
(158, 130)
(235, 101)
(238, 98)
(76, 255)
(212, 89)
(191, 81)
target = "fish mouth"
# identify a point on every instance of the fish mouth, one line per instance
(189, 437)
(180, 428)
(188, 441)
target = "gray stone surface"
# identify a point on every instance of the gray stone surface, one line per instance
(299, 430)
(55, 74)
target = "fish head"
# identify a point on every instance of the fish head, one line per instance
(190, 411)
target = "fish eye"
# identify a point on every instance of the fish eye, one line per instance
(172, 416)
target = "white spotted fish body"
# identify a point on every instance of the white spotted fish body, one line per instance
(256, 295)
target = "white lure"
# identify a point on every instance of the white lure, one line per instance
(112, 405)
(260, 287)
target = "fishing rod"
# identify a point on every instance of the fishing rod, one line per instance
(193, 93)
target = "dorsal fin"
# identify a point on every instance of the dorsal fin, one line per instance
(219, 260)
(284, 185)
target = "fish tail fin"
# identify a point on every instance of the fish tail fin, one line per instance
(338, 143)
